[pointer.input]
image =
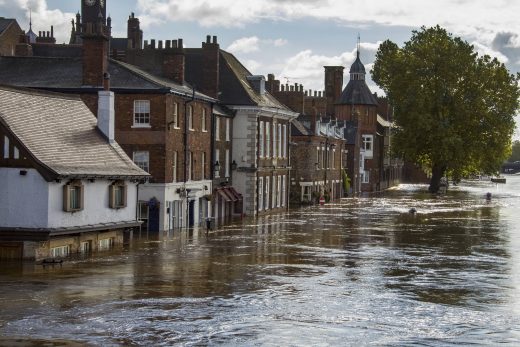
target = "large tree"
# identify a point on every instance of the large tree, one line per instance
(453, 109)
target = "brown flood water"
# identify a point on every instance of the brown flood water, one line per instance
(358, 272)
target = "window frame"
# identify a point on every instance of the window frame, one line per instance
(145, 167)
(203, 122)
(176, 115)
(113, 190)
(189, 116)
(146, 123)
(73, 196)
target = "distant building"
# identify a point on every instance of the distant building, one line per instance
(66, 185)
(10, 33)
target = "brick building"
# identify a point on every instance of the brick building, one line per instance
(10, 33)
(317, 143)
(161, 121)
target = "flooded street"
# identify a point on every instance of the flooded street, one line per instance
(359, 272)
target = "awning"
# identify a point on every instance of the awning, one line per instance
(223, 194)
(237, 195)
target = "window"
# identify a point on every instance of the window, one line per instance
(273, 193)
(279, 192)
(284, 141)
(217, 160)
(203, 165)
(267, 140)
(368, 146)
(275, 145)
(227, 163)
(141, 113)
(306, 193)
(228, 130)
(117, 195)
(280, 140)
(85, 247)
(203, 120)
(190, 117)
(333, 158)
(105, 244)
(322, 152)
(190, 166)
(16, 153)
(217, 128)
(174, 167)
(261, 139)
(6, 147)
(60, 252)
(366, 177)
(266, 196)
(260, 193)
(284, 179)
(318, 158)
(176, 115)
(73, 196)
(142, 159)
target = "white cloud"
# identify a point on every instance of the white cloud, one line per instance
(42, 17)
(245, 45)
(307, 68)
(251, 65)
(280, 42)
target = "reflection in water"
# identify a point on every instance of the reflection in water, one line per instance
(362, 271)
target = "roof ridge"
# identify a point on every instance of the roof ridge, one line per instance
(39, 92)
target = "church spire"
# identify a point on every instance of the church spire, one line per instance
(357, 70)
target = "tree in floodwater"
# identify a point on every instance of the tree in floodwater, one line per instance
(453, 109)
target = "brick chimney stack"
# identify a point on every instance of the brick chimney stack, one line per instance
(174, 65)
(333, 86)
(134, 33)
(95, 53)
(210, 67)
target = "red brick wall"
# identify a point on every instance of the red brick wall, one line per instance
(95, 60)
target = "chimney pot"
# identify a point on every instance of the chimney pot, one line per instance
(208, 38)
(160, 44)
(214, 39)
(168, 44)
(180, 43)
(152, 43)
(174, 43)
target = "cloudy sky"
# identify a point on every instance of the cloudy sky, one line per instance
(294, 39)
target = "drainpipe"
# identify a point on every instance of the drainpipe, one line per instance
(186, 152)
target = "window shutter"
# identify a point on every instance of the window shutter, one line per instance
(125, 189)
(82, 197)
(111, 196)
(66, 198)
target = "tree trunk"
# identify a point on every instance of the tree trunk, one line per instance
(437, 174)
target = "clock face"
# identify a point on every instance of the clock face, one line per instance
(90, 2)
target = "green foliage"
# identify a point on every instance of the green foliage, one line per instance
(453, 109)
(515, 154)
(346, 181)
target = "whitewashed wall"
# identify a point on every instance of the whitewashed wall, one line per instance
(23, 199)
(96, 209)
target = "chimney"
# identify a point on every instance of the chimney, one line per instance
(95, 56)
(210, 67)
(258, 83)
(106, 114)
(333, 85)
(174, 65)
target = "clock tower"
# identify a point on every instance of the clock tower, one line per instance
(92, 11)
(95, 36)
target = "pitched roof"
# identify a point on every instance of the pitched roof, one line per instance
(357, 93)
(236, 89)
(67, 73)
(61, 134)
(5, 23)
(357, 66)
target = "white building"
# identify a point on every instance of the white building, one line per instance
(65, 185)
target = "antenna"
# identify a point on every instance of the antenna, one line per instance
(30, 19)
(358, 44)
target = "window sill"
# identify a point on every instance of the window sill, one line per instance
(143, 126)
(204, 131)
